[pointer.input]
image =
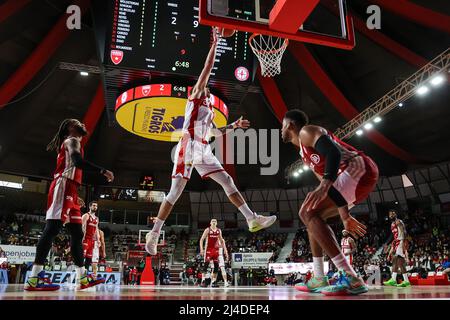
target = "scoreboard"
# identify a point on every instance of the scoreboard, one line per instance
(165, 36)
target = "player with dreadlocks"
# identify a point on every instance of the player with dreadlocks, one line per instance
(63, 207)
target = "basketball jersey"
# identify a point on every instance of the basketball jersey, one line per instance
(65, 167)
(198, 118)
(91, 227)
(396, 231)
(346, 245)
(213, 239)
(317, 162)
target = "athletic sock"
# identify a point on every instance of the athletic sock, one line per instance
(341, 263)
(405, 277)
(394, 276)
(36, 269)
(158, 225)
(248, 214)
(318, 267)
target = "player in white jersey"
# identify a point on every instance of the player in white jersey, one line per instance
(194, 151)
(223, 252)
(348, 246)
(398, 253)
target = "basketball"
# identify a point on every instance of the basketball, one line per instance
(226, 33)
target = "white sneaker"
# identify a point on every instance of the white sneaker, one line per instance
(151, 245)
(260, 222)
(227, 284)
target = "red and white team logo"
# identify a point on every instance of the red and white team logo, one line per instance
(315, 158)
(146, 90)
(241, 73)
(124, 97)
(116, 56)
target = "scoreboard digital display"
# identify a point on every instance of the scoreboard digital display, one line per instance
(165, 36)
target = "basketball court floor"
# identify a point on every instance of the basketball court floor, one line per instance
(113, 292)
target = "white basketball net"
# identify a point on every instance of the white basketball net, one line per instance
(269, 51)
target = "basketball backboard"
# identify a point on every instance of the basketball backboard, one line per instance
(322, 22)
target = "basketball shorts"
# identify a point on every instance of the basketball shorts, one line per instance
(349, 258)
(398, 249)
(88, 247)
(62, 202)
(211, 255)
(190, 154)
(356, 182)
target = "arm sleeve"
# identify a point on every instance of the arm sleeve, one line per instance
(79, 162)
(328, 149)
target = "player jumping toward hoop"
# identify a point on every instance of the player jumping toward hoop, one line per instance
(346, 176)
(398, 253)
(214, 241)
(193, 151)
(348, 246)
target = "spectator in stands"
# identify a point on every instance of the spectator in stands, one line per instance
(250, 277)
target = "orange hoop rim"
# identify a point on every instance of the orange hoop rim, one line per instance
(283, 47)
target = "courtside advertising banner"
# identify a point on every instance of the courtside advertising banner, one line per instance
(19, 254)
(286, 268)
(64, 277)
(252, 259)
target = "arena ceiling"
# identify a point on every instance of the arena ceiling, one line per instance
(378, 63)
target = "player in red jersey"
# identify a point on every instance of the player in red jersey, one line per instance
(348, 246)
(398, 253)
(214, 241)
(193, 151)
(91, 240)
(63, 207)
(347, 177)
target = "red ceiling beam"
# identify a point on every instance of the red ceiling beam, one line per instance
(282, 18)
(272, 93)
(383, 40)
(416, 13)
(10, 7)
(94, 113)
(339, 101)
(38, 58)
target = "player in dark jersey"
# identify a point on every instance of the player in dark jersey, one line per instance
(91, 241)
(63, 207)
(214, 241)
(347, 177)
(398, 253)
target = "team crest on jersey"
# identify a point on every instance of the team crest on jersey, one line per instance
(315, 158)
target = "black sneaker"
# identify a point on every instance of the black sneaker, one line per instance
(214, 285)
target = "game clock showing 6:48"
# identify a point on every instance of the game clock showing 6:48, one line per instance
(165, 36)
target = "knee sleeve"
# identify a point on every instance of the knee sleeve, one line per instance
(176, 189)
(225, 180)
(51, 230)
(76, 246)
(216, 267)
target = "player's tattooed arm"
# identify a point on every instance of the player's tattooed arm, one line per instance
(74, 147)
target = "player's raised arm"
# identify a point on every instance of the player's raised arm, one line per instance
(74, 147)
(209, 64)
(239, 123)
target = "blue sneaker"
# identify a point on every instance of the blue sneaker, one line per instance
(345, 286)
(40, 283)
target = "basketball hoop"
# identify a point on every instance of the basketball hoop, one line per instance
(269, 51)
